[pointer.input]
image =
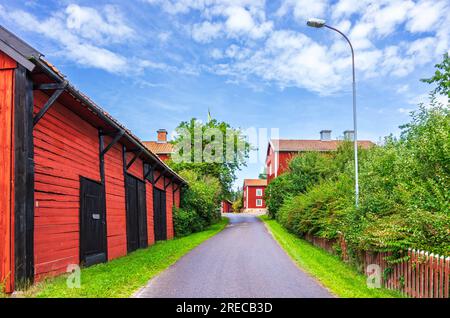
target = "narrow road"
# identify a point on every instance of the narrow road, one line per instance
(242, 261)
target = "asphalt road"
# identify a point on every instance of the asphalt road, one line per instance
(242, 261)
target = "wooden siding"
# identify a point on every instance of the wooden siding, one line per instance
(137, 168)
(66, 148)
(169, 205)
(150, 222)
(7, 66)
(177, 197)
(115, 201)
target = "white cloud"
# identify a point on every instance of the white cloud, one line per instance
(303, 9)
(232, 18)
(426, 15)
(288, 58)
(206, 31)
(82, 32)
(91, 24)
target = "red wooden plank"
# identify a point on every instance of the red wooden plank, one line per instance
(6, 168)
(441, 276)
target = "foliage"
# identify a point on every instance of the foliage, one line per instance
(238, 203)
(210, 154)
(404, 191)
(304, 170)
(199, 204)
(441, 77)
(123, 276)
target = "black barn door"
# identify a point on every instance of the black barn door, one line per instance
(159, 214)
(92, 223)
(136, 214)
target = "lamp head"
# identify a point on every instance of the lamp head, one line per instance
(315, 23)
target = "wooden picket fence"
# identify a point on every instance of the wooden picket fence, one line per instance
(418, 274)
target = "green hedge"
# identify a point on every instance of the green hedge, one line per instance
(404, 190)
(199, 206)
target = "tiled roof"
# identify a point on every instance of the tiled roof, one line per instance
(255, 182)
(159, 147)
(312, 145)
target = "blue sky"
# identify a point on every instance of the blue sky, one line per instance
(253, 63)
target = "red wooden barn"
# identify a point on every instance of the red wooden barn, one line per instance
(226, 206)
(253, 195)
(76, 187)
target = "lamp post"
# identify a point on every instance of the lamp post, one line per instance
(318, 23)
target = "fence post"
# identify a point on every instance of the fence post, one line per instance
(447, 277)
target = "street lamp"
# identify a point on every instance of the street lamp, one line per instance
(319, 23)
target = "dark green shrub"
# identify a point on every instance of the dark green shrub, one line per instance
(187, 222)
(199, 206)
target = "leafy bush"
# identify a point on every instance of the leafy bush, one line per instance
(199, 206)
(305, 170)
(187, 222)
(238, 203)
(404, 190)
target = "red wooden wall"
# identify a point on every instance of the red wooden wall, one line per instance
(66, 147)
(169, 206)
(7, 66)
(252, 197)
(116, 221)
(150, 222)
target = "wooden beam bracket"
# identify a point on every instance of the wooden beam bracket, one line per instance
(134, 158)
(169, 183)
(50, 86)
(49, 103)
(149, 172)
(160, 175)
(118, 135)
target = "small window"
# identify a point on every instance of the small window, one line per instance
(259, 192)
(258, 202)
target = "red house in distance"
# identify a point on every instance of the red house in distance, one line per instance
(226, 206)
(281, 151)
(253, 195)
(161, 147)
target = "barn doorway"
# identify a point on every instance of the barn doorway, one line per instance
(159, 214)
(137, 236)
(92, 223)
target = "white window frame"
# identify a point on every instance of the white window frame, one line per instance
(260, 201)
(259, 192)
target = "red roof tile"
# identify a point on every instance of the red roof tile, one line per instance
(255, 182)
(159, 147)
(312, 145)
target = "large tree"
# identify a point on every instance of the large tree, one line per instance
(441, 77)
(213, 148)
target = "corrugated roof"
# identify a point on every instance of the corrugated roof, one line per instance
(312, 145)
(160, 148)
(255, 182)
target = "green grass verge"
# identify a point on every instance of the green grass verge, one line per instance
(124, 276)
(341, 279)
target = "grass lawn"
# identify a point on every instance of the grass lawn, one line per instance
(124, 276)
(330, 270)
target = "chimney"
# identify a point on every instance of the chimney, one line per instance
(162, 135)
(349, 135)
(325, 135)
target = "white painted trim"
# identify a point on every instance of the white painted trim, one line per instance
(259, 191)
(276, 163)
(260, 200)
(246, 198)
